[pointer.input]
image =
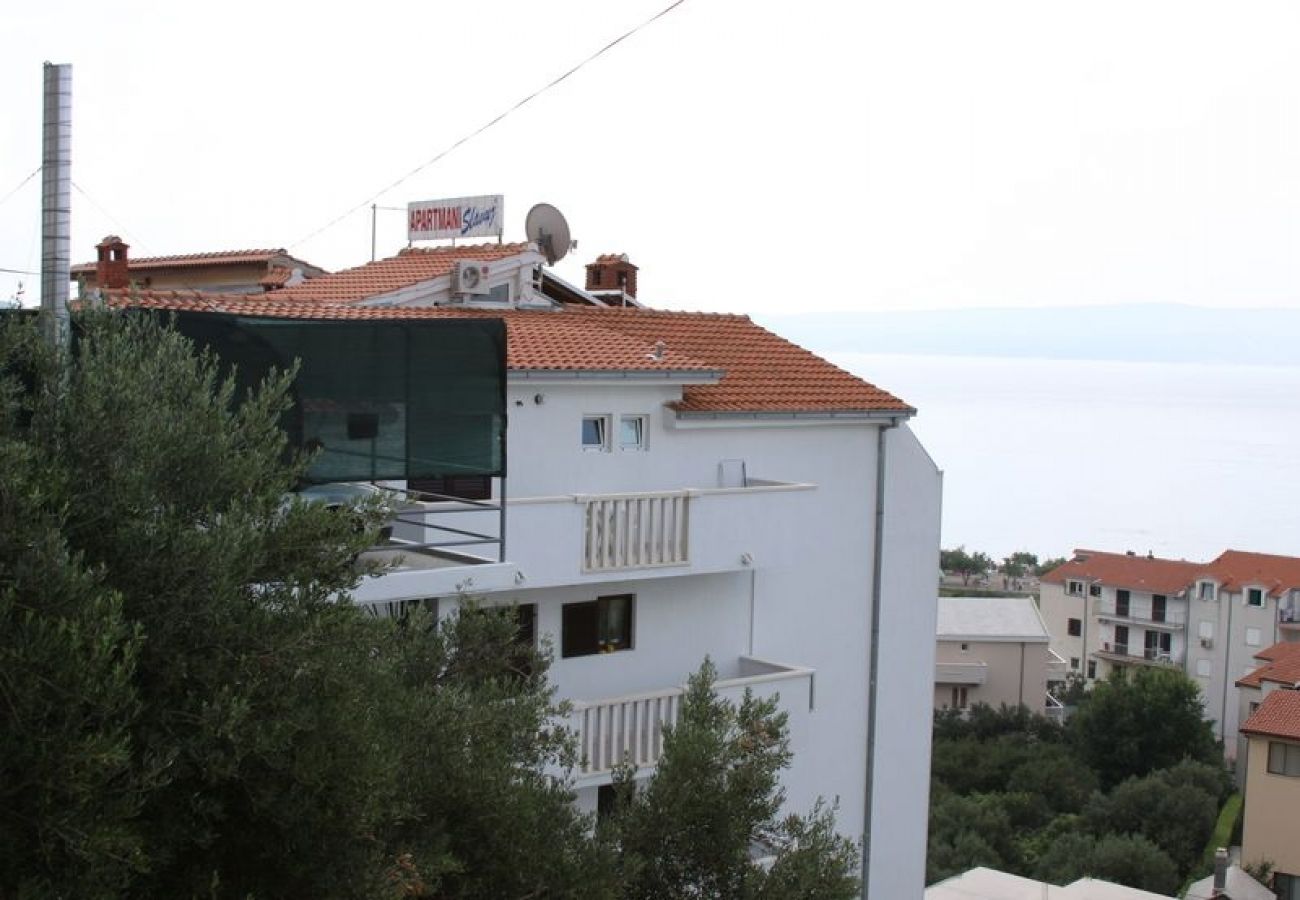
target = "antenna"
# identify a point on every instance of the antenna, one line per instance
(547, 229)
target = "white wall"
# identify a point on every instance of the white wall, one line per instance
(904, 715)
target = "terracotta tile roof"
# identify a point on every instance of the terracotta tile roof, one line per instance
(1283, 666)
(411, 266)
(185, 260)
(1234, 569)
(765, 372)
(762, 373)
(275, 277)
(1277, 716)
(1143, 573)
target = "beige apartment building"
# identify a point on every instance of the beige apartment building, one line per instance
(994, 650)
(1272, 811)
(1109, 610)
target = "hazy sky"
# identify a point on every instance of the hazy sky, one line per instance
(756, 157)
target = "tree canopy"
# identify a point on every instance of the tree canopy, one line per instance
(191, 708)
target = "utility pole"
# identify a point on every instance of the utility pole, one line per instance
(56, 202)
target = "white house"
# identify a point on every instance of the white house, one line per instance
(682, 485)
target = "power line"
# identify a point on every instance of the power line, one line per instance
(17, 271)
(35, 172)
(482, 128)
(120, 227)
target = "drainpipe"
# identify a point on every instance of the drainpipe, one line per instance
(878, 546)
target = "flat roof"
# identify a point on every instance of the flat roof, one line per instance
(991, 619)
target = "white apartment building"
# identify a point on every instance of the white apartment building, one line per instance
(1208, 619)
(682, 485)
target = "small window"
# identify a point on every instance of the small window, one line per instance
(965, 647)
(1204, 668)
(606, 800)
(1074, 588)
(631, 432)
(1254, 705)
(1254, 597)
(1252, 637)
(1284, 759)
(959, 698)
(1092, 668)
(1075, 627)
(1094, 590)
(1205, 629)
(603, 625)
(595, 433)
(1205, 590)
(1287, 887)
(1074, 663)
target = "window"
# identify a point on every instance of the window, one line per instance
(1074, 588)
(1094, 590)
(1204, 668)
(1206, 630)
(1121, 603)
(525, 639)
(1252, 637)
(606, 796)
(1254, 705)
(959, 698)
(1287, 887)
(1074, 663)
(1254, 597)
(603, 625)
(965, 647)
(1092, 668)
(1074, 627)
(631, 432)
(1205, 590)
(1284, 759)
(463, 487)
(595, 433)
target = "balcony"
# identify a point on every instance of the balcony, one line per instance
(630, 728)
(1171, 619)
(1142, 656)
(1288, 618)
(635, 531)
(961, 673)
(1057, 667)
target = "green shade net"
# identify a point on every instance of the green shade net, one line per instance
(380, 399)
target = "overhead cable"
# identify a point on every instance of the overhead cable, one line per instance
(484, 127)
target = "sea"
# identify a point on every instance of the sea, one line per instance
(1183, 460)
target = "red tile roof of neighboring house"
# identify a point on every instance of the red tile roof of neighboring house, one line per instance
(1144, 573)
(1234, 569)
(1277, 716)
(761, 372)
(185, 260)
(411, 266)
(1283, 666)
(275, 277)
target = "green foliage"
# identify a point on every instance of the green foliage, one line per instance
(966, 564)
(1222, 836)
(1132, 724)
(189, 709)
(1019, 564)
(1048, 565)
(715, 796)
(1011, 791)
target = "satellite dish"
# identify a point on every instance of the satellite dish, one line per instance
(547, 229)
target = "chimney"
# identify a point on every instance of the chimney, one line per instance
(612, 272)
(111, 265)
(1220, 873)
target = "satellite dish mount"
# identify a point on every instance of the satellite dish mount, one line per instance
(547, 229)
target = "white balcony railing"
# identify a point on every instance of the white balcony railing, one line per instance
(634, 531)
(1169, 618)
(631, 728)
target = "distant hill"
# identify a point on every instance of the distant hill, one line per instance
(1141, 332)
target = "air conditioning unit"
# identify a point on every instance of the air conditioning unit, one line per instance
(1207, 643)
(469, 278)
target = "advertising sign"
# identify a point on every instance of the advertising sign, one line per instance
(459, 217)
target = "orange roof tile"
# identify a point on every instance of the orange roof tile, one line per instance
(1283, 666)
(1234, 569)
(1143, 573)
(765, 372)
(275, 277)
(1277, 716)
(761, 372)
(410, 266)
(220, 257)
